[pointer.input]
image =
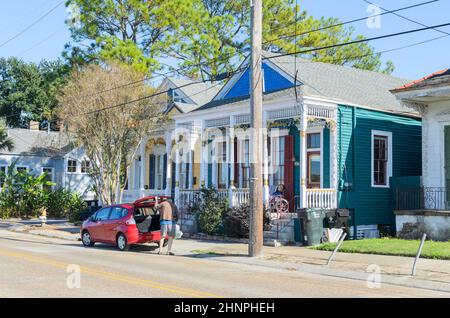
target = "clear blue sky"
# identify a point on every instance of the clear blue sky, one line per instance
(411, 63)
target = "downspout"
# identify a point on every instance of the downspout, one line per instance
(355, 236)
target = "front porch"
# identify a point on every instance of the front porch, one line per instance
(315, 198)
(299, 152)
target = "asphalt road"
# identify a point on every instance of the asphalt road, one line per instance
(32, 266)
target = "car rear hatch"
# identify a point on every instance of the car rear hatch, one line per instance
(149, 227)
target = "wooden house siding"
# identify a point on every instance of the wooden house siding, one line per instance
(373, 205)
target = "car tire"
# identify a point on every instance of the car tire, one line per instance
(86, 238)
(122, 242)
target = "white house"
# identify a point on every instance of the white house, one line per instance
(50, 152)
(431, 97)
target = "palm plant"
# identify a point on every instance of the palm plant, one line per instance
(5, 141)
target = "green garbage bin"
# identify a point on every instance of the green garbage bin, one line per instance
(311, 221)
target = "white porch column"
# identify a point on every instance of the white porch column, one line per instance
(265, 135)
(177, 175)
(190, 158)
(231, 154)
(168, 139)
(303, 127)
(204, 158)
(334, 158)
(230, 159)
(143, 163)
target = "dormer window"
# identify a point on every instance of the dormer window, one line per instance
(174, 97)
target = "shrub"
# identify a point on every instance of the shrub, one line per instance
(212, 210)
(64, 203)
(23, 193)
(237, 221)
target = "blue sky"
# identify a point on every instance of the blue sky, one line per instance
(411, 63)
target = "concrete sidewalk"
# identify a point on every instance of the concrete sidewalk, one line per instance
(431, 274)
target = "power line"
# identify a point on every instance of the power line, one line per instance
(140, 99)
(351, 21)
(406, 18)
(32, 25)
(41, 42)
(267, 58)
(357, 41)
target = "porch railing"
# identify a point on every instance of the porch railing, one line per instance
(321, 198)
(423, 198)
(240, 197)
(133, 195)
(188, 198)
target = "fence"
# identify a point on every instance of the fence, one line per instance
(422, 198)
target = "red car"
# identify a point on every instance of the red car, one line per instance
(124, 225)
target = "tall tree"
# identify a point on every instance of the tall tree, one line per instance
(110, 136)
(28, 91)
(135, 32)
(286, 28)
(206, 37)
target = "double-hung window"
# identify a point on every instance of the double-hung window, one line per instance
(222, 165)
(71, 166)
(277, 154)
(381, 158)
(245, 164)
(159, 172)
(85, 166)
(314, 160)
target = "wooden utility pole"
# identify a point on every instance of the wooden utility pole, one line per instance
(256, 94)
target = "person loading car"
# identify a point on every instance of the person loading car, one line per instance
(168, 215)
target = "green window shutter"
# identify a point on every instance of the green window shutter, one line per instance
(165, 172)
(152, 172)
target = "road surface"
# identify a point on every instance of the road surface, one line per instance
(33, 266)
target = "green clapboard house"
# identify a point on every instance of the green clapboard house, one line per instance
(358, 141)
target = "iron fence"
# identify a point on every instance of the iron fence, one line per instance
(423, 198)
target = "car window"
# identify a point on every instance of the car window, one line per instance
(118, 213)
(103, 214)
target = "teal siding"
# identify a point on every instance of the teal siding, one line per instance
(355, 125)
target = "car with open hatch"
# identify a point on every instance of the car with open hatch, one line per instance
(124, 225)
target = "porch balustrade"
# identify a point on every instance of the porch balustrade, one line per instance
(316, 198)
(133, 195)
(321, 198)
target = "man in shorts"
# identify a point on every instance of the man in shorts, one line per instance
(168, 217)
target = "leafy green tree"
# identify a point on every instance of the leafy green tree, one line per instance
(28, 91)
(226, 34)
(135, 32)
(206, 37)
(6, 143)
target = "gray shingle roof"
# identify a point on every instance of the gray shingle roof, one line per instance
(344, 84)
(201, 93)
(38, 143)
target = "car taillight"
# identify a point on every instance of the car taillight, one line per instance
(130, 221)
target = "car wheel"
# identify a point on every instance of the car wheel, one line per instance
(87, 239)
(122, 242)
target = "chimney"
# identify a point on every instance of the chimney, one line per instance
(34, 125)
